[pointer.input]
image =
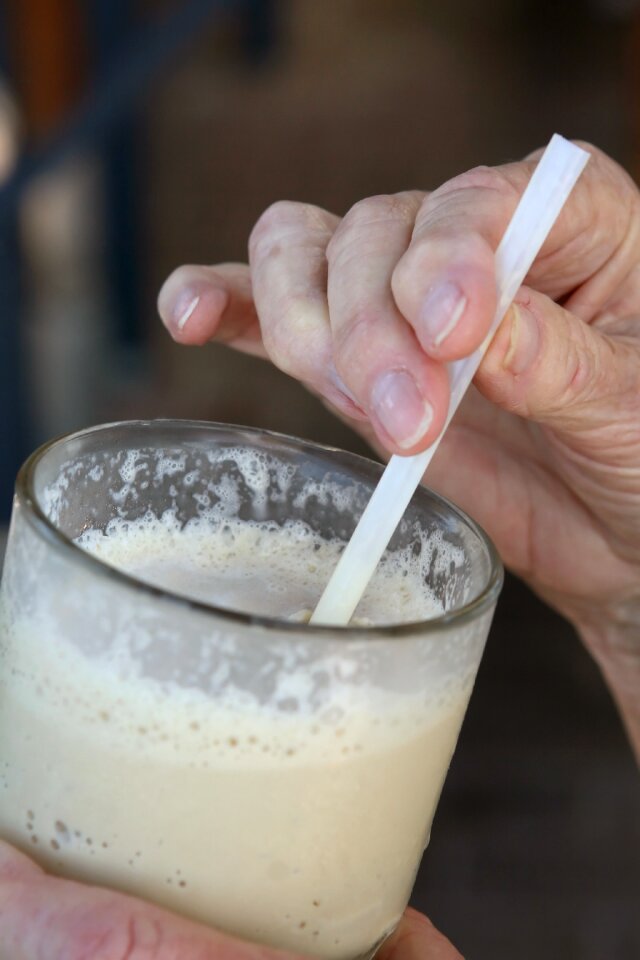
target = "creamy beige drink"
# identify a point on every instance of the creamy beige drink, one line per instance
(295, 824)
(169, 726)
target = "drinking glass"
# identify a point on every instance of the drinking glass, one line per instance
(271, 778)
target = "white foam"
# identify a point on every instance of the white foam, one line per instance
(260, 568)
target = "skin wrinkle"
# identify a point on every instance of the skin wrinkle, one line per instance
(589, 299)
(593, 221)
(527, 563)
(577, 277)
(584, 371)
(562, 283)
(144, 934)
(582, 364)
(110, 946)
(350, 242)
(355, 348)
(542, 475)
(485, 179)
(435, 220)
(375, 212)
(346, 254)
(338, 403)
(497, 470)
(620, 311)
(590, 383)
(99, 933)
(450, 200)
(622, 542)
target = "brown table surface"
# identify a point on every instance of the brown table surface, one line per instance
(535, 850)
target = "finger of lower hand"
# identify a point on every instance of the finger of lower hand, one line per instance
(417, 939)
(44, 918)
(404, 392)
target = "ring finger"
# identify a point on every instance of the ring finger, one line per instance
(287, 255)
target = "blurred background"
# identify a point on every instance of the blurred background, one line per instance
(136, 135)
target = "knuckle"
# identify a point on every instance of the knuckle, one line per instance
(478, 178)
(446, 205)
(584, 371)
(584, 374)
(371, 212)
(383, 207)
(270, 226)
(283, 222)
(589, 379)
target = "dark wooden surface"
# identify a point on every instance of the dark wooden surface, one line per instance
(535, 850)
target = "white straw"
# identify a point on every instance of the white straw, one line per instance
(547, 191)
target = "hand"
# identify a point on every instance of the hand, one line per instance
(367, 310)
(44, 918)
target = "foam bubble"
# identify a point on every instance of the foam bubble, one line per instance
(261, 567)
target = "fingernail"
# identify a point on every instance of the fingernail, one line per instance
(182, 314)
(524, 340)
(440, 312)
(400, 408)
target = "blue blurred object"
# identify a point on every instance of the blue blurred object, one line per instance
(122, 83)
(111, 23)
(128, 56)
(14, 436)
(260, 29)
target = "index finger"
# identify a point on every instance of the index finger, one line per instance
(445, 284)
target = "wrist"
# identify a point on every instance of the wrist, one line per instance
(615, 645)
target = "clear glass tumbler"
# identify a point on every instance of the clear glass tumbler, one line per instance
(273, 779)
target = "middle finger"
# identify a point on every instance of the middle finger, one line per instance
(376, 353)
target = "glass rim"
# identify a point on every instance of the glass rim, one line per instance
(47, 529)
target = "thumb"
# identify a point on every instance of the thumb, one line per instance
(417, 939)
(547, 365)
